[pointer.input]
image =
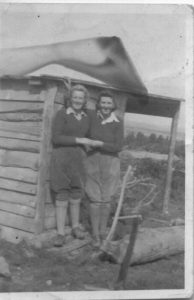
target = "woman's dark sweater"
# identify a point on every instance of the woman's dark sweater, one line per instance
(110, 133)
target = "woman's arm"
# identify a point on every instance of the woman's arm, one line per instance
(116, 146)
(58, 137)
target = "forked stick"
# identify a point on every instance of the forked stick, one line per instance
(118, 210)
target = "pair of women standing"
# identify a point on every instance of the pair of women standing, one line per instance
(70, 131)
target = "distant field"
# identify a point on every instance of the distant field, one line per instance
(152, 142)
(148, 131)
(145, 154)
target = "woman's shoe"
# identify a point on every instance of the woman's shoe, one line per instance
(59, 241)
(96, 243)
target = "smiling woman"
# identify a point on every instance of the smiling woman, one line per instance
(67, 168)
(103, 164)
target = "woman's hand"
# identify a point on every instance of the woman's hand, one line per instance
(96, 143)
(89, 142)
(84, 141)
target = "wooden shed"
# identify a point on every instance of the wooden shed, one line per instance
(27, 108)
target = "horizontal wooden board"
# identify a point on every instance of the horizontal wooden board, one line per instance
(19, 90)
(13, 106)
(21, 174)
(14, 235)
(19, 159)
(17, 209)
(18, 198)
(18, 186)
(155, 106)
(21, 116)
(20, 136)
(20, 145)
(16, 221)
(33, 128)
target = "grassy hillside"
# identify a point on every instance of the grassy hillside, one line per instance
(153, 143)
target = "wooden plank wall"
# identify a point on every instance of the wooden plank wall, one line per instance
(49, 207)
(21, 112)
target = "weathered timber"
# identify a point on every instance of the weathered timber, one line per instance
(21, 174)
(44, 158)
(57, 107)
(50, 222)
(14, 235)
(49, 210)
(20, 90)
(122, 277)
(16, 221)
(33, 128)
(19, 116)
(62, 94)
(17, 209)
(119, 206)
(20, 145)
(19, 159)
(174, 127)
(20, 136)
(156, 106)
(18, 186)
(18, 198)
(15, 106)
(48, 193)
(151, 244)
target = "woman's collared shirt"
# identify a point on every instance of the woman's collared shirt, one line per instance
(109, 130)
(110, 119)
(68, 125)
(77, 115)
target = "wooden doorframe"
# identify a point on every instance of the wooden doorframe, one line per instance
(44, 158)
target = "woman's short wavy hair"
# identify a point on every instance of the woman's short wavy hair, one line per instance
(106, 93)
(81, 88)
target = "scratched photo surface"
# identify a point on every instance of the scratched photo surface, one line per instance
(139, 185)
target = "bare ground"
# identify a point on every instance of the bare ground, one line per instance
(48, 272)
(35, 270)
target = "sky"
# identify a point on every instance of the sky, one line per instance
(155, 36)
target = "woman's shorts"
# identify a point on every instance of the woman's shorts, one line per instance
(67, 172)
(103, 176)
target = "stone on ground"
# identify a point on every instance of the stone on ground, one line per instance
(4, 268)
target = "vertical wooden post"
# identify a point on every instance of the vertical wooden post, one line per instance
(44, 159)
(174, 126)
(122, 277)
